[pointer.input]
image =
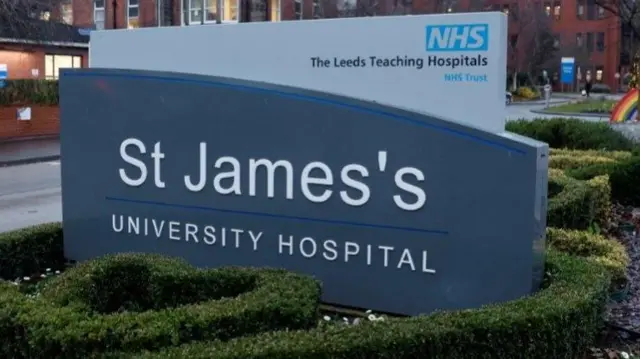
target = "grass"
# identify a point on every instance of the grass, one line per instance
(600, 106)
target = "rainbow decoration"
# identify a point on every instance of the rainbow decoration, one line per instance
(626, 110)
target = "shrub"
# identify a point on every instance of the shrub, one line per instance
(559, 321)
(31, 250)
(565, 162)
(28, 92)
(572, 134)
(576, 204)
(527, 93)
(623, 176)
(609, 253)
(131, 302)
(615, 155)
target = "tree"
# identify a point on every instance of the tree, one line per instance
(24, 19)
(532, 46)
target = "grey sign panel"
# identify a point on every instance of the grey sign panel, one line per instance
(392, 210)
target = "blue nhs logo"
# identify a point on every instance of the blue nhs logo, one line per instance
(466, 37)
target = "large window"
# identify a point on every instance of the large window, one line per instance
(98, 14)
(53, 64)
(133, 12)
(66, 11)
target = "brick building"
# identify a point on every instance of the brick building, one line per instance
(581, 29)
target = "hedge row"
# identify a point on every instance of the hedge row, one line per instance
(573, 134)
(578, 204)
(29, 92)
(559, 321)
(132, 302)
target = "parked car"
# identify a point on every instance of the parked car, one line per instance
(509, 97)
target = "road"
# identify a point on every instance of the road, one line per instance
(29, 195)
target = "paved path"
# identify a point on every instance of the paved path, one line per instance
(20, 152)
(29, 195)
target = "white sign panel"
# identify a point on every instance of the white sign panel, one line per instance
(452, 65)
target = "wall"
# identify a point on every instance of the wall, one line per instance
(20, 61)
(45, 120)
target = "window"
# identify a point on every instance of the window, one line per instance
(556, 10)
(297, 8)
(547, 9)
(600, 12)
(275, 10)
(600, 42)
(66, 12)
(589, 42)
(591, 10)
(229, 12)
(53, 64)
(98, 14)
(580, 9)
(133, 12)
(316, 10)
(579, 40)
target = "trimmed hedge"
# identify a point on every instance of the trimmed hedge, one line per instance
(572, 134)
(576, 204)
(132, 302)
(592, 246)
(29, 92)
(559, 321)
(623, 176)
(31, 250)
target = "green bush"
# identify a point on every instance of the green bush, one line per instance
(614, 155)
(29, 92)
(623, 176)
(575, 204)
(572, 134)
(31, 250)
(593, 246)
(559, 321)
(132, 302)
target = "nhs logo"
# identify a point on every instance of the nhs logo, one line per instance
(465, 37)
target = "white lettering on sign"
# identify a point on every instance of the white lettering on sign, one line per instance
(315, 180)
(330, 250)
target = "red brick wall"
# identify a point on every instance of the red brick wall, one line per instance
(45, 120)
(21, 60)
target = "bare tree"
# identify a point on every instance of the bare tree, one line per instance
(27, 19)
(532, 45)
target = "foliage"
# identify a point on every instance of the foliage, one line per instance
(132, 302)
(556, 322)
(528, 93)
(576, 204)
(623, 176)
(31, 250)
(572, 134)
(29, 92)
(601, 106)
(596, 247)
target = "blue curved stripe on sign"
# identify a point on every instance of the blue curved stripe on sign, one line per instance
(302, 97)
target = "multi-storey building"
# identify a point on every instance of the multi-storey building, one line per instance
(580, 28)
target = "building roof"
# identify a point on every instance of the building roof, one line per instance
(36, 31)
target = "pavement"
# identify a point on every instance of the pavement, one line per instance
(30, 194)
(17, 152)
